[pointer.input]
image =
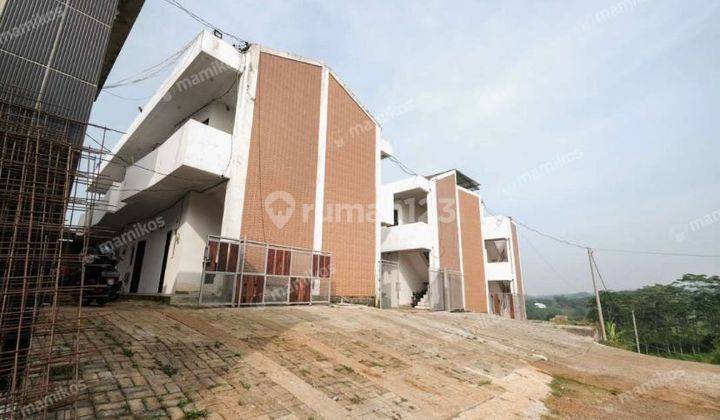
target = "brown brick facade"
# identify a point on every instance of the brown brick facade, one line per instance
(348, 232)
(472, 253)
(448, 223)
(283, 151)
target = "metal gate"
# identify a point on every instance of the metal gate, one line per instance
(389, 288)
(445, 290)
(242, 272)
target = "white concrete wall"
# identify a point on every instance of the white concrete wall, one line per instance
(154, 248)
(386, 200)
(498, 227)
(202, 216)
(192, 220)
(411, 210)
(413, 275)
(407, 237)
(220, 115)
(499, 271)
(194, 145)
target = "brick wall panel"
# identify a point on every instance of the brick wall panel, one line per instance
(448, 223)
(349, 181)
(472, 253)
(283, 150)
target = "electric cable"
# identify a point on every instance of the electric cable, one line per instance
(576, 244)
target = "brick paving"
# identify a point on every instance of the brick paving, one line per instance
(157, 361)
(284, 363)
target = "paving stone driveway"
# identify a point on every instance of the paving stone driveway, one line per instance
(292, 362)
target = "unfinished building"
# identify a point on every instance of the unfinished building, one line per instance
(54, 56)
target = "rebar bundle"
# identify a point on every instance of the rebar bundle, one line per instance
(46, 211)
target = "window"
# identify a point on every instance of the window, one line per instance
(496, 250)
(395, 217)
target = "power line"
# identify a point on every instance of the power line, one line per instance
(206, 23)
(402, 166)
(618, 250)
(554, 238)
(406, 169)
(124, 97)
(547, 263)
(150, 72)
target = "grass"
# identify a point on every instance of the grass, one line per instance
(245, 385)
(127, 352)
(62, 372)
(371, 363)
(561, 388)
(566, 392)
(169, 370)
(196, 414)
(345, 369)
(713, 358)
(183, 402)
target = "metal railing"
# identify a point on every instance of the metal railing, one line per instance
(445, 290)
(389, 275)
(245, 273)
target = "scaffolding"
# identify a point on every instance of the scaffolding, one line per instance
(46, 213)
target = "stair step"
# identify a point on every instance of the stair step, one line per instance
(423, 303)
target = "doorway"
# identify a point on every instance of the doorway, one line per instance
(137, 266)
(161, 283)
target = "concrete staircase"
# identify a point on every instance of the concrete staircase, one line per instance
(424, 302)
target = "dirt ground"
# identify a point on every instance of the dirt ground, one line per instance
(331, 362)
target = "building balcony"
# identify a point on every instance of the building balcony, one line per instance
(499, 271)
(192, 159)
(411, 236)
(194, 155)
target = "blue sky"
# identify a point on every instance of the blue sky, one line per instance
(593, 121)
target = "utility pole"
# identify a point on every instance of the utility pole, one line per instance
(597, 296)
(637, 340)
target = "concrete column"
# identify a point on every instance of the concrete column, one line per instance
(320, 179)
(378, 227)
(237, 170)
